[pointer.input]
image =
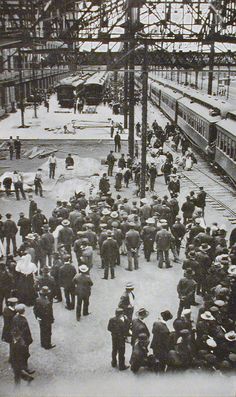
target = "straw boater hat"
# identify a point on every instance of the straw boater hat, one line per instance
(65, 222)
(230, 336)
(83, 268)
(204, 247)
(105, 211)
(150, 221)
(114, 214)
(232, 270)
(129, 285)
(142, 313)
(30, 236)
(143, 201)
(211, 342)
(207, 316)
(219, 303)
(44, 290)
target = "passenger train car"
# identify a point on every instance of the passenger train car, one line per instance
(94, 88)
(70, 89)
(208, 122)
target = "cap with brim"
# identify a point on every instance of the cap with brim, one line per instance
(142, 312)
(204, 247)
(142, 337)
(105, 211)
(12, 300)
(211, 342)
(150, 221)
(44, 290)
(103, 225)
(65, 222)
(129, 285)
(83, 268)
(30, 236)
(213, 309)
(219, 303)
(232, 357)
(230, 336)
(232, 270)
(114, 214)
(207, 316)
(185, 312)
(132, 224)
(143, 201)
(163, 221)
(20, 307)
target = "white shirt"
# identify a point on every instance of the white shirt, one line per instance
(17, 178)
(52, 160)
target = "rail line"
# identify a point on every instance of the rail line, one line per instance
(216, 197)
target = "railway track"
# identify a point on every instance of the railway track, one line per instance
(219, 195)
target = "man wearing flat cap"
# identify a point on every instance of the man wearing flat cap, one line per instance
(25, 226)
(8, 313)
(161, 339)
(119, 328)
(43, 312)
(20, 325)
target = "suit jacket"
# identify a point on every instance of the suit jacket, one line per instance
(83, 284)
(132, 239)
(118, 327)
(66, 274)
(25, 226)
(20, 322)
(161, 338)
(109, 250)
(124, 300)
(138, 327)
(9, 227)
(43, 310)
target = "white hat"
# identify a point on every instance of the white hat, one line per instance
(185, 312)
(230, 336)
(83, 268)
(219, 303)
(65, 222)
(232, 270)
(114, 214)
(164, 221)
(151, 221)
(30, 236)
(197, 220)
(211, 342)
(105, 211)
(143, 201)
(207, 316)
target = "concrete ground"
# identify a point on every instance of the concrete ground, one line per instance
(80, 363)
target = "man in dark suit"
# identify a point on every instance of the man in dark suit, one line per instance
(109, 254)
(127, 301)
(44, 314)
(132, 241)
(20, 325)
(138, 325)
(83, 284)
(66, 274)
(25, 226)
(161, 339)
(119, 327)
(139, 357)
(8, 313)
(10, 230)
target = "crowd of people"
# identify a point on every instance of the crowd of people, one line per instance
(57, 254)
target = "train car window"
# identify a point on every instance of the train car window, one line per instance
(232, 151)
(222, 142)
(229, 145)
(225, 144)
